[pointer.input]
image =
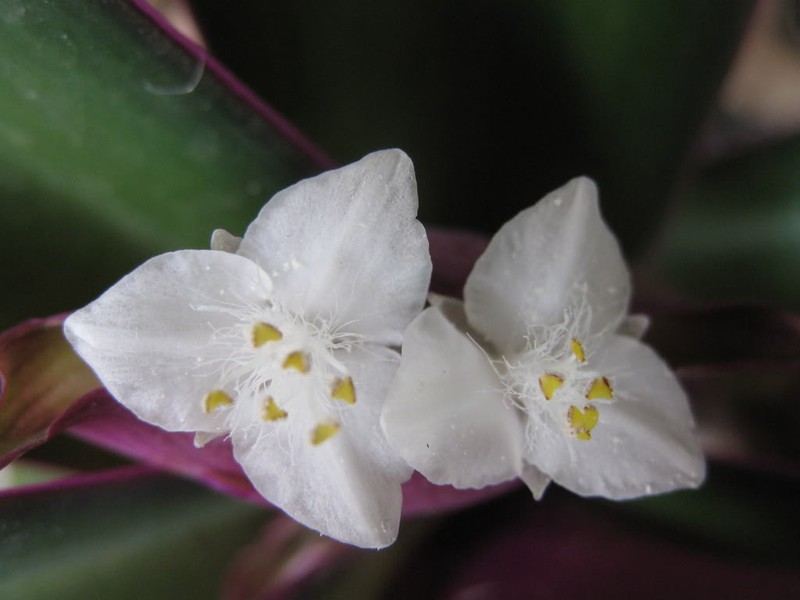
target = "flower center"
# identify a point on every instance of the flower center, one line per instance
(565, 387)
(277, 368)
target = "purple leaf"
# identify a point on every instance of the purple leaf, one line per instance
(40, 379)
(725, 335)
(740, 365)
(562, 550)
(453, 253)
(285, 558)
(104, 422)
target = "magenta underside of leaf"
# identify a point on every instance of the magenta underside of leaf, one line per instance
(102, 421)
(571, 552)
(725, 335)
(453, 253)
(281, 561)
(740, 365)
(40, 378)
(97, 418)
(106, 423)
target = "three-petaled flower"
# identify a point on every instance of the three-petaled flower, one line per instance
(285, 340)
(539, 374)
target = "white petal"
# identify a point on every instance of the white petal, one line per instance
(634, 326)
(225, 241)
(555, 256)
(536, 480)
(148, 342)
(345, 246)
(347, 487)
(373, 369)
(644, 442)
(447, 413)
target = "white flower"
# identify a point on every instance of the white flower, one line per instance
(536, 374)
(284, 340)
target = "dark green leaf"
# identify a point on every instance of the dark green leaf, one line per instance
(496, 102)
(737, 234)
(126, 536)
(116, 143)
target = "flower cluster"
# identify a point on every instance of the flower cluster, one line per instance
(539, 374)
(287, 341)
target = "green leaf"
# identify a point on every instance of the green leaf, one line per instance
(647, 75)
(27, 472)
(737, 233)
(497, 102)
(123, 536)
(116, 143)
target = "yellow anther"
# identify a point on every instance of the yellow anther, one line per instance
(324, 431)
(272, 412)
(549, 384)
(344, 390)
(216, 399)
(582, 422)
(264, 332)
(600, 390)
(297, 361)
(577, 350)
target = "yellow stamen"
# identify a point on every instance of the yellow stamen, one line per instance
(297, 361)
(600, 389)
(577, 350)
(264, 332)
(344, 390)
(582, 422)
(216, 399)
(549, 384)
(272, 412)
(324, 431)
